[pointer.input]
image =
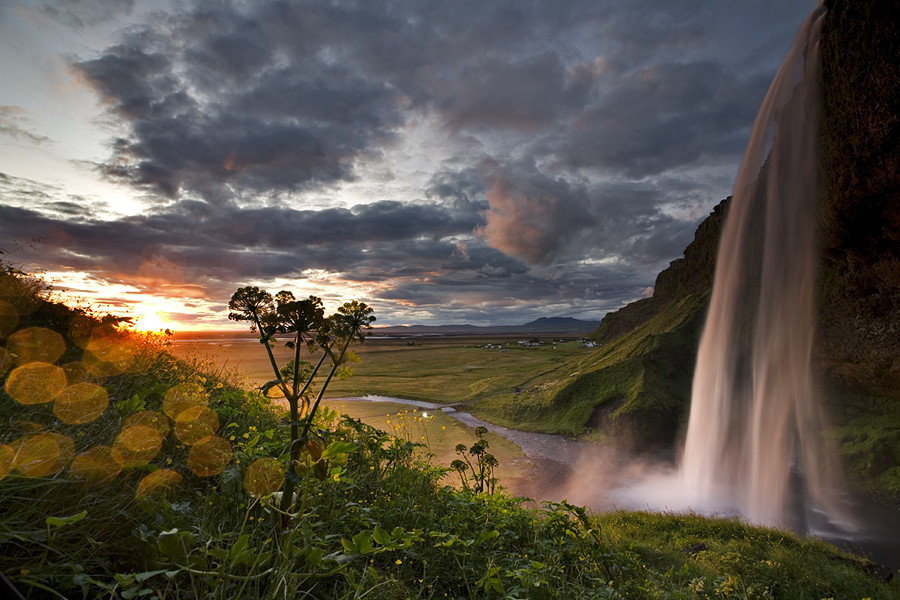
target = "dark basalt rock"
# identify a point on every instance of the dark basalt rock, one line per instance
(860, 215)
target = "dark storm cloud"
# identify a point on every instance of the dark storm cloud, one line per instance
(211, 103)
(581, 142)
(278, 96)
(241, 244)
(525, 94)
(463, 189)
(663, 117)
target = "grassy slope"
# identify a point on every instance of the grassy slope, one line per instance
(638, 383)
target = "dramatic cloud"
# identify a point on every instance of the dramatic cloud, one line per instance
(663, 117)
(532, 217)
(446, 161)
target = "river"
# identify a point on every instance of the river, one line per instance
(604, 478)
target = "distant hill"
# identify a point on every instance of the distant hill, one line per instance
(541, 326)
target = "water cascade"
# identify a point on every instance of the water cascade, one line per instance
(754, 442)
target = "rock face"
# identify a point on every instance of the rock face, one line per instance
(860, 297)
(691, 275)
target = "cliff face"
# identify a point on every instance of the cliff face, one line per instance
(858, 339)
(859, 317)
(860, 299)
(690, 275)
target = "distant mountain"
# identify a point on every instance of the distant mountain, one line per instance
(541, 326)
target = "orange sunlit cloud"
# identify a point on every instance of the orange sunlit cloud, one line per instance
(151, 308)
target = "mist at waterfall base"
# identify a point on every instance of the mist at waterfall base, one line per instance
(754, 446)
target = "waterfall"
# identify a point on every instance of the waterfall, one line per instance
(754, 438)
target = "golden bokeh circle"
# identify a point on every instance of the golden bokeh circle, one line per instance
(81, 403)
(7, 458)
(264, 477)
(42, 454)
(35, 383)
(155, 484)
(183, 396)
(35, 344)
(150, 418)
(196, 423)
(209, 456)
(136, 446)
(112, 354)
(94, 466)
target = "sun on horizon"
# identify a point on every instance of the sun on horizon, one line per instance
(150, 321)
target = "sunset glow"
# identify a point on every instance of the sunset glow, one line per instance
(150, 322)
(550, 165)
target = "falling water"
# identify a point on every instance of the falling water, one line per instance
(754, 434)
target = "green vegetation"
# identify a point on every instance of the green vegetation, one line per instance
(126, 473)
(305, 322)
(640, 378)
(452, 370)
(476, 476)
(868, 434)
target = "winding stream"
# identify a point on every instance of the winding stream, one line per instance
(536, 446)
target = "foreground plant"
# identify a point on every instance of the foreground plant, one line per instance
(481, 471)
(305, 322)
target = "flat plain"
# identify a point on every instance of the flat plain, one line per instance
(448, 371)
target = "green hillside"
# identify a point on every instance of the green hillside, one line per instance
(636, 386)
(125, 473)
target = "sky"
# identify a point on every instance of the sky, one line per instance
(486, 162)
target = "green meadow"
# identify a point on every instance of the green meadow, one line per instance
(446, 371)
(129, 472)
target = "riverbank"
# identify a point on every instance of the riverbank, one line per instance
(605, 479)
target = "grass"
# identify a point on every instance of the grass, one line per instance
(445, 370)
(637, 385)
(438, 432)
(728, 558)
(558, 387)
(372, 519)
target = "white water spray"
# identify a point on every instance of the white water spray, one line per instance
(755, 418)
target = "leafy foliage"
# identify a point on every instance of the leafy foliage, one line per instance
(367, 519)
(304, 320)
